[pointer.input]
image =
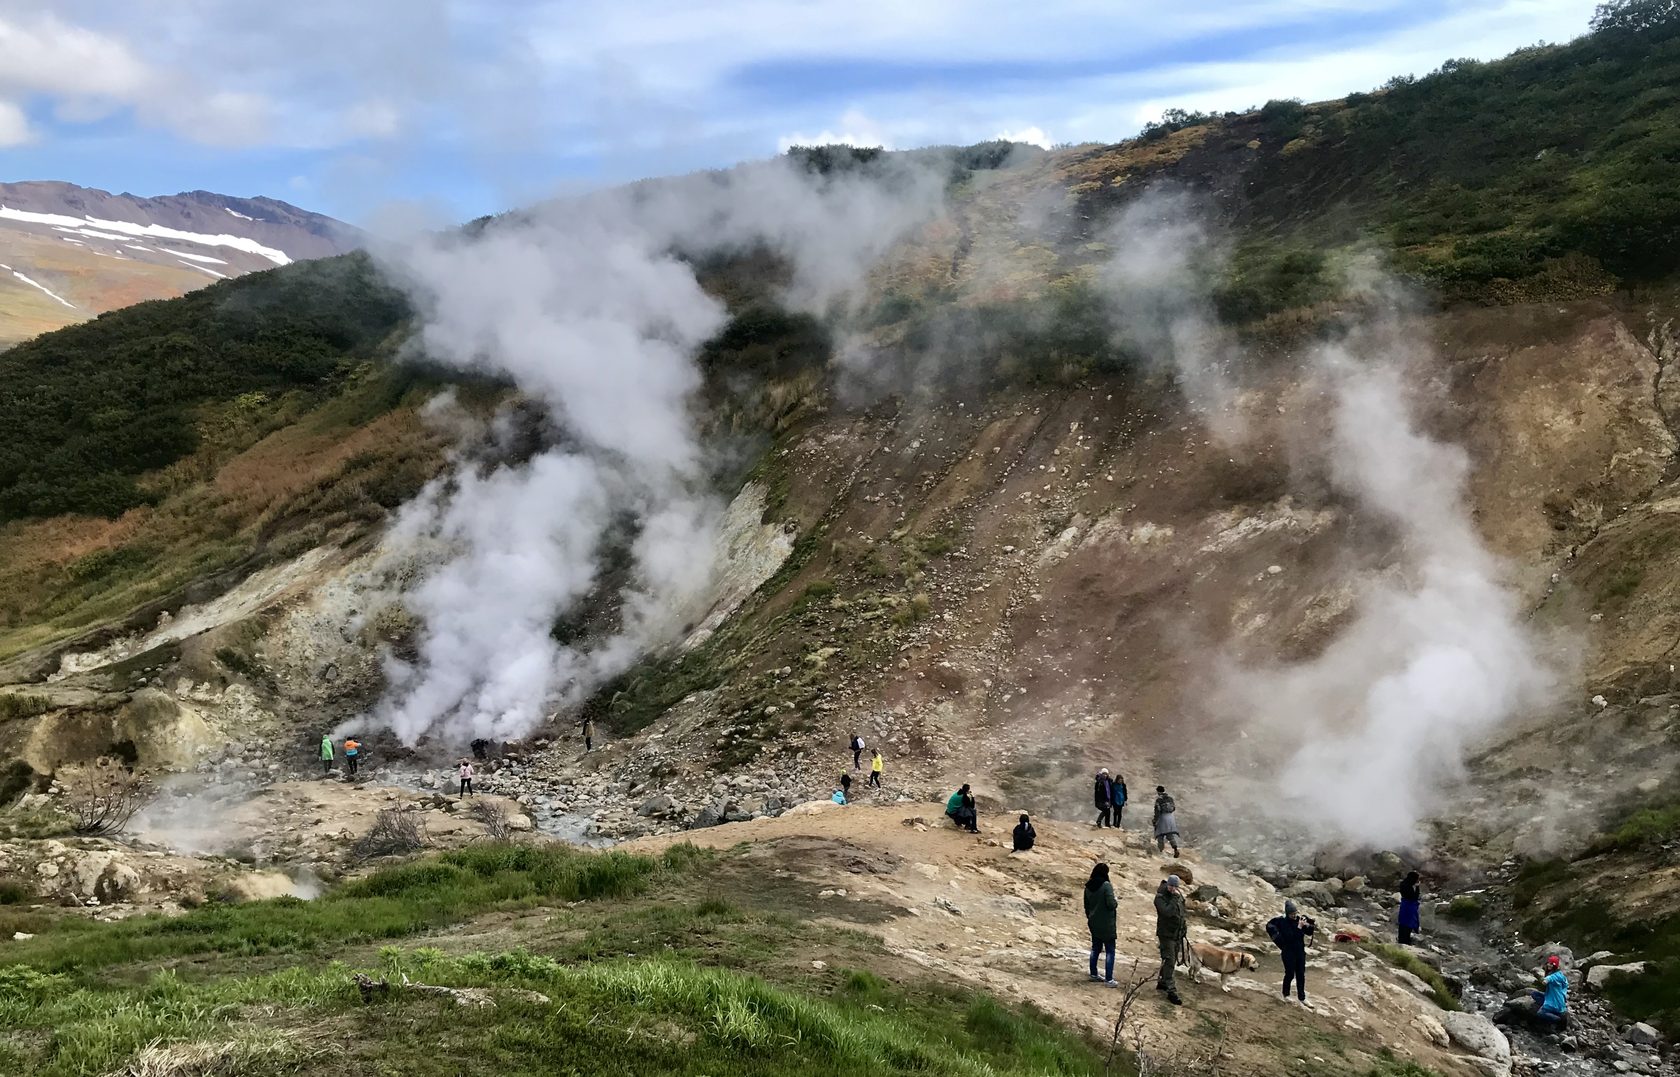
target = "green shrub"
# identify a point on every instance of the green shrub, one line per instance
(1465, 907)
(1401, 958)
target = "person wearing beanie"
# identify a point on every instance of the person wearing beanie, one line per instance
(1171, 932)
(1290, 932)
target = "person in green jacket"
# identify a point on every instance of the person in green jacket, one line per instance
(1100, 906)
(1171, 932)
(962, 811)
(327, 752)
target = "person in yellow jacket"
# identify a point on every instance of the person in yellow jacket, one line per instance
(875, 767)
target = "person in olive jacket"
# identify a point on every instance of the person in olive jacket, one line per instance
(1100, 907)
(1171, 932)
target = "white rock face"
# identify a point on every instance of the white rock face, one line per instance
(1482, 1038)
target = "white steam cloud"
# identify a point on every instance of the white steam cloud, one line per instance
(588, 308)
(1437, 654)
(1155, 283)
(1374, 730)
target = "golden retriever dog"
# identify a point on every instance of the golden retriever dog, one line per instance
(1225, 962)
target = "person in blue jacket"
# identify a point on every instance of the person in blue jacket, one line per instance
(1552, 1004)
(1411, 908)
(1118, 790)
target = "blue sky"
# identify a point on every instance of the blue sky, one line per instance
(448, 109)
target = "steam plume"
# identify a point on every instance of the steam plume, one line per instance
(1437, 654)
(585, 305)
(1374, 730)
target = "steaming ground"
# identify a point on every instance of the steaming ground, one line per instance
(589, 309)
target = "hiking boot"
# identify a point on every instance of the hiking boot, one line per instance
(1172, 997)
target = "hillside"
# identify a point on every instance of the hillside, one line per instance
(1316, 462)
(72, 253)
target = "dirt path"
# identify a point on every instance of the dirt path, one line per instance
(974, 912)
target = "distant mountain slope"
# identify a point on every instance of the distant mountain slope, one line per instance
(68, 253)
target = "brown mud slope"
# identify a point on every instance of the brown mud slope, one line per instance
(968, 910)
(1020, 584)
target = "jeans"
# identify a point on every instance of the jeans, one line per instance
(466, 786)
(1102, 815)
(1099, 946)
(857, 758)
(351, 759)
(1295, 969)
(875, 778)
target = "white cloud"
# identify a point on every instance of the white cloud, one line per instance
(14, 125)
(855, 129)
(1032, 136)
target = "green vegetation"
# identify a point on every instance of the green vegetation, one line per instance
(16, 705)
(392, 903)
(93, 407)
(1402, 958)
(1489, 175)
(620, 984)
(1646, 828)
(1465, 907)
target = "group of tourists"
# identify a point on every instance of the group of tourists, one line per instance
(352, 755)
(877, 765)
(1110, 795)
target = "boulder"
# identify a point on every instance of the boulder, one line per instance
(1566, 957)
(658, 805)
(1482, 1038)
(1207, 893)
(1599, 975)
(1642, 1035)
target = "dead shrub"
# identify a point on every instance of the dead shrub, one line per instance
(493, 816)
(394, 833)
(101, 797)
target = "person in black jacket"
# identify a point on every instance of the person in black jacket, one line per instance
(1290, 932)
(1024, 834)
(1104, 796)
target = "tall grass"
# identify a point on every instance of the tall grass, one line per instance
(389, 904)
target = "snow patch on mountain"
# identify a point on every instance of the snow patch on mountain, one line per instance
(152, 231)
(37, 285)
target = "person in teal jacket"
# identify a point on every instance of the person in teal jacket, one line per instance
(962, 811)
(1100, 906)
(1553, 1003)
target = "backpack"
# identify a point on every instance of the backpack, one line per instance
(1274, 929)
(1164, 804)
(857, 744)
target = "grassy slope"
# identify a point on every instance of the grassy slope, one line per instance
(646, 968)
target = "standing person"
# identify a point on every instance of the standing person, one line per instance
(327, 752)
(1103, 793)
(857, 752)
(466, 777)
(1100, 907)
(1411, 908)
(1024, 835)
(1171, 932)
(1290, 932)
(1166, 820)
(352, 754)
(589, 734)
(1119, 799)
(876, 765)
